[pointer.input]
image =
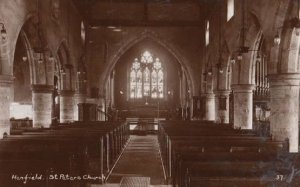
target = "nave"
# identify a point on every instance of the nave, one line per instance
(104, 154)
(163, 92)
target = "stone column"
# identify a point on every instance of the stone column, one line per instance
(42, 105)
(284, 91)
(210, 113)
(5, 100)
(78, 98)
(222, 115)
(243, 105)
(195, 107)
(66, 98)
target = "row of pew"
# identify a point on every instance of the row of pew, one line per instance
(200, 153)
(75, 154)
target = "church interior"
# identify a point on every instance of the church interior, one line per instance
(149, 93)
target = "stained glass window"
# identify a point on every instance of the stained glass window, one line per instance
(230, 9)
(146, 77)
(207, 33)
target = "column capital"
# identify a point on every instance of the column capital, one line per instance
(42, 88)
(6, 80)
(222, 92)
(243, 88)
(209, 95)
(66, 92)
(284, 79)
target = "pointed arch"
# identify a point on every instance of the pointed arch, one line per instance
(224, 79)
(64, 48)
(154, 37)
(66, 69)
(289, 59)
(29, 54)
(207, 74)
(243, 71)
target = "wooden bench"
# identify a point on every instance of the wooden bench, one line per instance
(206, 154)
(189, 163)
(77, 149)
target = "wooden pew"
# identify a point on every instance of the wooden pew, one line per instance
(24, 156)
(185, 149)
(189, 162)
(235, 145)
(88, 143)
(192, 131)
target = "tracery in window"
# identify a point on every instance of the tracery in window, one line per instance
(146, 77)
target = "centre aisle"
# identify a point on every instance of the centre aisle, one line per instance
(140, 158)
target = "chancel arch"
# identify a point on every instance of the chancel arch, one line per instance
(153, 78)
(148, 35)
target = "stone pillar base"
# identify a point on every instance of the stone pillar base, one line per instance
(210, 113)
(5, 100)
(42, 105)
(243, 105)
(284, 90)
(66, 106)
(222, 106)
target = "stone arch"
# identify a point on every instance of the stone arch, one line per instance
(282, 26)
(243, 70)
(33, 41)
(223, 82)
(7, 48)
(23, 69)
(219, 81)
(154, 37)
(30, 57)
(284, 85)
(66, 68)
(259, 38)
(288, 61)
(207, 80)
(63, 47)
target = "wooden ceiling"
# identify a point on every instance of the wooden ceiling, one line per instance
(142, 12)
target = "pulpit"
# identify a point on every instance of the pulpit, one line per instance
(87, 112)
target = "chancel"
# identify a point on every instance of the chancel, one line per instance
(150, 93)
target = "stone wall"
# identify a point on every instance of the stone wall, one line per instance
(60, 22)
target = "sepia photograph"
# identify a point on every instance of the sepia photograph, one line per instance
(149, 93)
